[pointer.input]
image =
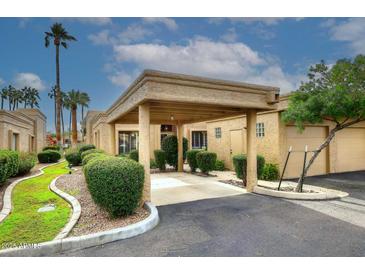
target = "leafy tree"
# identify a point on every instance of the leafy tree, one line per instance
(4, 96)
(335, 94)
(84, 102)
(60, 37)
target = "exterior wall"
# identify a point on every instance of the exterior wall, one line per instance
(189, 128)
(26, 123)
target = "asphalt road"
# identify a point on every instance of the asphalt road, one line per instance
(244, 225)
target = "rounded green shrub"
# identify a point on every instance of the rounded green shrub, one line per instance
(133, 154)
(206, 161)
(191, 158)
(160, 158)
(115, 184)
(91, 156)
(240, 165)
(219, 165)
(55, 147)
(87, 152)
(26, 162)
(153, 164)
(73, 156)
(270, 172)
(169, 145)
(3, 168)
(12, 162)
(49, 156)
(86, 147)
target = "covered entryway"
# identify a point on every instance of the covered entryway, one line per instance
(166, 98)
(313, 136)
(350, 146)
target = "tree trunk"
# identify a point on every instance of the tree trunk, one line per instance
(58, 96)
(69, 127)
(2, 103)
(74, 125)
(63, 126)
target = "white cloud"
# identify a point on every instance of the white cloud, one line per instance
(100, 38)
(352, 31)
(28, 79)
(230, 36)
(247, 20)
(121, 78)
(99, 21)
(204, 57)
(168, 22)
(1, 81)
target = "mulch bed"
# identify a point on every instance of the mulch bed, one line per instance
(93, 218)
(4, 186)
(238, 183)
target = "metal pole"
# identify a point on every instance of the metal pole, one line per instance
(286, 162)
(304, 164)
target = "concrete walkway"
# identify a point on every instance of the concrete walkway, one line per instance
(177, 187)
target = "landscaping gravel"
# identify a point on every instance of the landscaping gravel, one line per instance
(93, 218)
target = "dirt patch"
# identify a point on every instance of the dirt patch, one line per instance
(93, 218)
(288, 189)
(238, 183)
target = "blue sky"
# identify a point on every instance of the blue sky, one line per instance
(111, 52)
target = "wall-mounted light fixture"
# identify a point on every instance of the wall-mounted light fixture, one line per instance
(172, 117)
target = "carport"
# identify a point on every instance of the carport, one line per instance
(157, 97)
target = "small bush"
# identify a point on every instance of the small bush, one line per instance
(12, 162)
(3, 168)
(271, 172)
(206, 161)
(91, 156)
(73, 156)
(26, 162)
(49, 156)
(55, 147)
(153, 164)
(83, 148)
(115, 184)
(219, 165)
(191, 158)
(160, 158)
(123, 155)
(87, 152)
(240, 165)
(133, 154)
(169, 145)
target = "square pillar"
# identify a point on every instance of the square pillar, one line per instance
(180, 160)
(251, 150)
(144, 148)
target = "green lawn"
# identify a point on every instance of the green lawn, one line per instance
(25, 224)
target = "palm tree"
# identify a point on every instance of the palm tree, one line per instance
(4, 96)
(12, 95)
(74, 101)
(59, 36)
(52, 95)
(84, 102)
(67, 105)
(34, 98)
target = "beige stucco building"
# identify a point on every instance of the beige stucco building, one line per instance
(22, 130)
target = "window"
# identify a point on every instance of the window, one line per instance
(15, 141)
(198, 139)
(128, 140)
(218, 132)
(260, 130)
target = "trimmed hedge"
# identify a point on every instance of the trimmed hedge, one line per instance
(206, 161)
(240, 165)
(86, 147)
(12, 162)
(49, 156)
(153, 164)
(191, 158)
(219, 165)
(91, 156)
(169, 145)
(87, 152)
(55, 147)
(270, 172)
(26, 162)
(73, 156)
(133, 154)
(115, 184)
(3, 168)
(160, 158)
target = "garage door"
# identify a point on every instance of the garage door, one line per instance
(313, 137)
(350, 150)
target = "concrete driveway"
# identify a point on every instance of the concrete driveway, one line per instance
(179, 187)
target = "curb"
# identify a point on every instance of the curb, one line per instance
(5, 211)
(76, 209)
(74, 243)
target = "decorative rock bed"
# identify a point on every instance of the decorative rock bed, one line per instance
(309, 192)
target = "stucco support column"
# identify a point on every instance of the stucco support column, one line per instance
(144, 148)
(180, 160)
(251, 150)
